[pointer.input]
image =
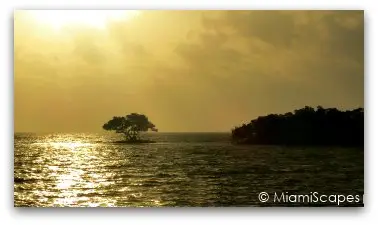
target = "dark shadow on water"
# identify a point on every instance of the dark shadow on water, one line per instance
(134, 142)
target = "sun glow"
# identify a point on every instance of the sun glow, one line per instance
(91, 18)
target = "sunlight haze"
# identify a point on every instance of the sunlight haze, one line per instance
(186, 70)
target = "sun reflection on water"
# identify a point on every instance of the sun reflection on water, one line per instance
(73, 179)
(80, 172)
(69, 145)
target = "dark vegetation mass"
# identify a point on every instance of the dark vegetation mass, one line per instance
(306, 126)
(130, 126)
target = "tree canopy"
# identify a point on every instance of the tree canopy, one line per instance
(130, 125)
(306, 126)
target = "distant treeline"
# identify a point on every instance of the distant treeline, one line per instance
(306, 126)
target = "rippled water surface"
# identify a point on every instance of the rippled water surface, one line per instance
(180, 169)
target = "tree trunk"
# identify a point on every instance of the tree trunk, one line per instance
(131, 134)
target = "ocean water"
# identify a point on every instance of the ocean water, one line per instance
(180, 169)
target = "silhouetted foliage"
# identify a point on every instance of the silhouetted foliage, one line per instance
(130, 125)
(306, 126)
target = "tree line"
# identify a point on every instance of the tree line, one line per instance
(306, 126)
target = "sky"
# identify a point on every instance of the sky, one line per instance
(187, 71)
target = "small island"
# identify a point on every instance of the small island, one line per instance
(131, 126)
(306, 126)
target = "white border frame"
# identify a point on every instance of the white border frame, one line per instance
(187, 215)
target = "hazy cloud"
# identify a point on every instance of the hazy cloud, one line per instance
(187, 70)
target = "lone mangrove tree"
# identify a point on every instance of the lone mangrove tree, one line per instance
(130, 125)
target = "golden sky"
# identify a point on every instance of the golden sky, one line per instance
(186, 70)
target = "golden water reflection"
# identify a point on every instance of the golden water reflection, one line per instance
(75, 170)
(77, 177)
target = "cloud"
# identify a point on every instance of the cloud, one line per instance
(213, 68)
